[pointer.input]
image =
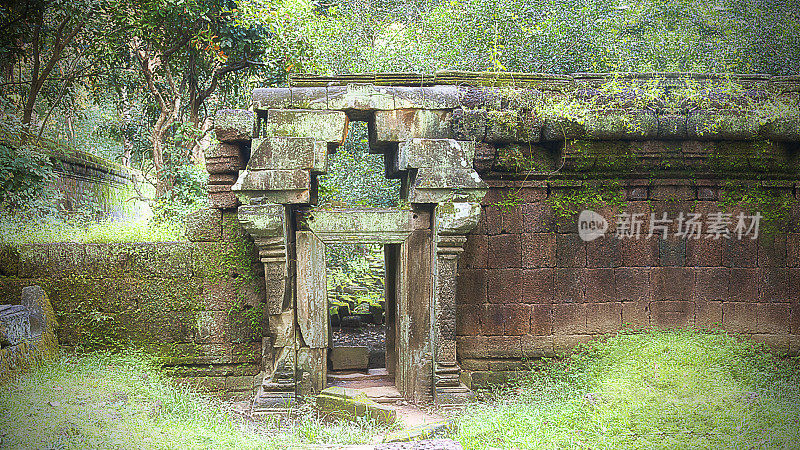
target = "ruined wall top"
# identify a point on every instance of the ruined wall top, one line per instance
(626, 106)
(540, 80)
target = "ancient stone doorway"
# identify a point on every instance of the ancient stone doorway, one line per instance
(406, 236)
(441, 193)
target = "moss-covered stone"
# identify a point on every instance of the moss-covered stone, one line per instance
(108, 260)
(225, 259)
(57, 260)
(204, 225)
(161, 260)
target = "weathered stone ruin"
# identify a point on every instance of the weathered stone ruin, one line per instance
(526, 285)
(27, 332)
(538, 212)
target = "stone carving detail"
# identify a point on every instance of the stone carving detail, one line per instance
(454, 221)
(266, 223)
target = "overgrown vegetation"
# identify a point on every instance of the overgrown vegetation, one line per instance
(114, 401)
(556, 36)
(660, 389)
(355, 177)
(657, 389)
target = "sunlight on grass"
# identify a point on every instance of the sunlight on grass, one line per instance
(44, 231)
(113, 401)
(653, 390)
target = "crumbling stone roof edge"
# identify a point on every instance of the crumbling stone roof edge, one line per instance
(452, 77)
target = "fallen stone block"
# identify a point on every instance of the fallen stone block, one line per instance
(426, 431)
(351, 321)
(349, 403)
(349, 358)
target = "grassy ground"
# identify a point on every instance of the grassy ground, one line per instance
(651, 390)
(668, 390)
(119, 402)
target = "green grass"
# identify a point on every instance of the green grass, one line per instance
(122, 402)
(671, 390)
(658, 389)
(44, 231)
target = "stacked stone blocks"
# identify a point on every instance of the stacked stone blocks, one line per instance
(193, 305)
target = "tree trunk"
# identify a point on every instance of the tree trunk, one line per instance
(124, 112)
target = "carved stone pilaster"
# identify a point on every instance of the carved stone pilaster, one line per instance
(453, 222)
(266, 223)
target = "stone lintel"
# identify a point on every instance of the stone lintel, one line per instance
(383, 226)
(326, 126)
(276, 186)
(360, 97)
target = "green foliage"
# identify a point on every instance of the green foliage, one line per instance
(568, 202)
(188, 194)
(557, 36)
(355, 177)
(24, 174)
(774, 205)
(659, 389)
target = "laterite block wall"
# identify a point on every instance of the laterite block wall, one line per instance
(196, 306)
(529, 286)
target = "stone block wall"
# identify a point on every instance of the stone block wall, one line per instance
(87, 181)
(529, 286)
(196, 306)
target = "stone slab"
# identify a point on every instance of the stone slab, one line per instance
(282, 153)
(351, 403)
(349, 358)
(278, 186)
(405, 124)
(326, 126)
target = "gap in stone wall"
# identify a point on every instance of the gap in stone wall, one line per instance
(356, 275)
(356, 177)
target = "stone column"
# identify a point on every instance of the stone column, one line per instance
(453, 221)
